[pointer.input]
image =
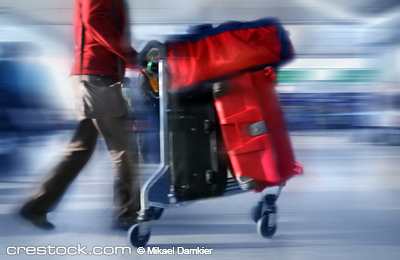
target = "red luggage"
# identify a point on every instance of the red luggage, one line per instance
(254, 131)
(209, 53)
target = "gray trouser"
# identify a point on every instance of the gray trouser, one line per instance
(123, 154)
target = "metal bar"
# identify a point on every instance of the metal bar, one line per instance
(279, 191)
(164, 147)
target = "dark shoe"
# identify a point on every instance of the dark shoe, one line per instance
(38, 219)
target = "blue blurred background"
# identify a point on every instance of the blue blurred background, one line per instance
(345, 74)
(340, 96)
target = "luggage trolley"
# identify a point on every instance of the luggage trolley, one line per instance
(160, 192)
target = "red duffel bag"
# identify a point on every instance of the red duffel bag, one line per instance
(211, 53)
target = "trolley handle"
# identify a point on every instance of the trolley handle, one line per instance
(153, 44)
(149, 58)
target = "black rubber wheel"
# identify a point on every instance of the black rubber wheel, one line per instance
(265, 230)
(156, 212)
(256, 212)
(135, 239)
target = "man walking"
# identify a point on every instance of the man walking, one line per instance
(102, 53)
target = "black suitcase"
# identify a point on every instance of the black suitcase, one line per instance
(197, 157)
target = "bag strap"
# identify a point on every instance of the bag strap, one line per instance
(82, 43)
(119, 61)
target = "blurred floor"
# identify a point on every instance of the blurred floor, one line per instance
(346, 206)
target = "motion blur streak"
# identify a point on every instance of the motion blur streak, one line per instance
(341, 101)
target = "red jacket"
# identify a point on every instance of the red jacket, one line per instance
(102, 40)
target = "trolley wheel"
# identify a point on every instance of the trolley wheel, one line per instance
(156, 212)
(256, 211)
(264, 228)
(136, 239)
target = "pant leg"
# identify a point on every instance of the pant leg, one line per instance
(78, 153)
(124, 154)
(124, 159)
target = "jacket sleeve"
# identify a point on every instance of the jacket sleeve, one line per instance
(96, 21)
